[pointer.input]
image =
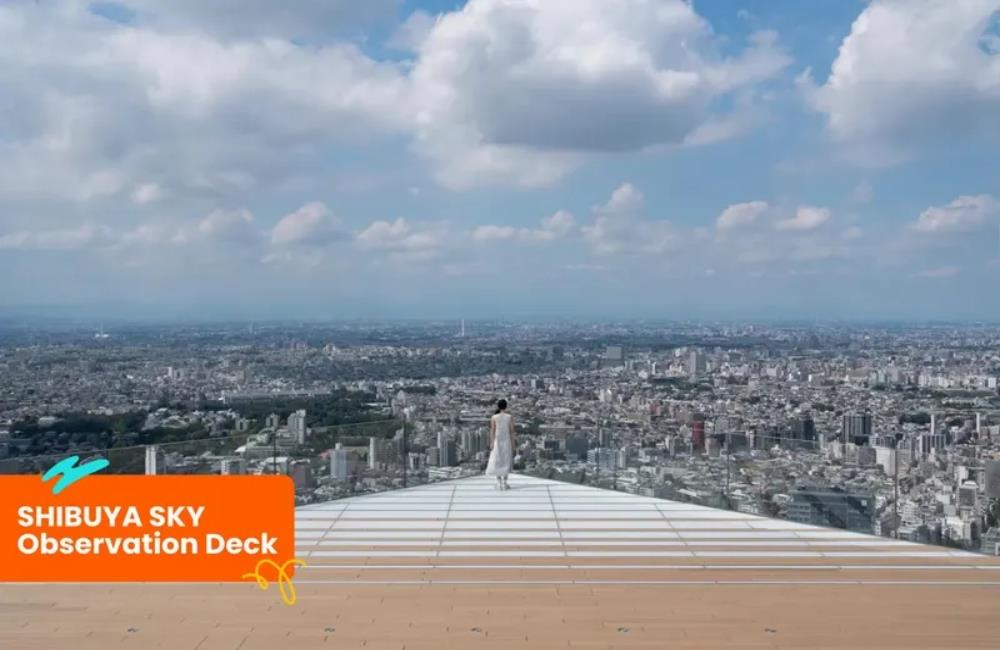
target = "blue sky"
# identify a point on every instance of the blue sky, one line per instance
(501, 158)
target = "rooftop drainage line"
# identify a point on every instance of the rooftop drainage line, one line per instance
(555, 517)
(329, 529)
(444, 526)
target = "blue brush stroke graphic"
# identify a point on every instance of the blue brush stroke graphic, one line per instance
(72, 473)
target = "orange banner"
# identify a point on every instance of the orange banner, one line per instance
(146, 528)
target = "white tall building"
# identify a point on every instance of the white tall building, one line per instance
(152, 460)
(297, 426)
(340, 463)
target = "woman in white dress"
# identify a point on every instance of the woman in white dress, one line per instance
(502, 440)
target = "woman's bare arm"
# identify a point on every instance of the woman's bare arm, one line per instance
(513, 434)
(493, 432)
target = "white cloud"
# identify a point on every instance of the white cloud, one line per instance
(402, 240)
(225, 226)
(910, 72)
(620, 226)
(312, 224)
(235, 228)
(740, 214)
(101, 107)
(493, 233)
(964, 214)
(519, 92)
(413, 31)
(211, 101)
(806, 218)
(556, 226)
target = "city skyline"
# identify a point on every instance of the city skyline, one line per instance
(501, 159)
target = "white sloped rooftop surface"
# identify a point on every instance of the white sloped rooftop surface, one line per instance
(429, 531)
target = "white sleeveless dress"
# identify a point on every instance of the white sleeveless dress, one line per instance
(502, 455)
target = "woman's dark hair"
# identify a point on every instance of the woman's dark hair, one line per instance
(501, 405)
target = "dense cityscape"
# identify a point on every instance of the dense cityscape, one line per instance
(885, 429)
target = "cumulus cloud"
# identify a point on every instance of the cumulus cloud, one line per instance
(518, 92)
(556, 226)
(121, 104)
(740, 214)
(490, 232)
(413, 31)
(964, 214)
(911, 72)
(227, 226)
(402, 239)
(312, 224)
(806, 218)
(211, 99)
(235, 228)
(621, 227)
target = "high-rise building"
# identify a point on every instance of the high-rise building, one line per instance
(614, 355)
(577, 446)
(857, 428)
(931, 443)
(273, 421)
(340, 463)
(153, 460)
(968, 496)
(297, 426)
(696, 364)
(472, 443)
(804, 428)
(232, 466)
(449, 454)
(698, 434)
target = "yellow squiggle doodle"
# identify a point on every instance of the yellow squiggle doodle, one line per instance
(285, 585)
